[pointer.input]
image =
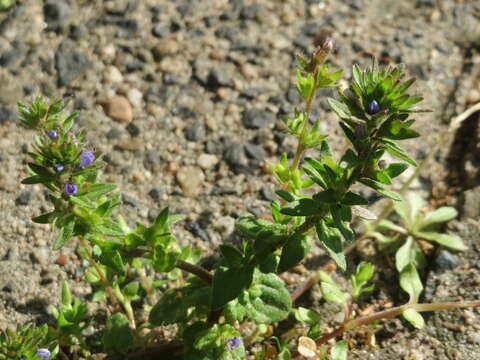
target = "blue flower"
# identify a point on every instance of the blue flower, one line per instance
(70, 188)
(58, 167)
(373, 108)
(86, 158)
(43, 353)
(234, 342)
(52, 134)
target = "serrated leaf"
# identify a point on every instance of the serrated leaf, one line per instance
(293, 252)
(268, 299)
(411, 283)
(228, 284)
(331, 239)
(117, 337)
(414, 318)
(175, 305)
(339, 108)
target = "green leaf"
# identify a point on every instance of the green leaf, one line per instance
(306, 316)
(351, 199)
(340, 350)
(414, 318)
(234, 311)
(452, 242)
(210, 342)
(65, 233)
(40, 170)
(302, 207)
(95, 191)
(175, 306)
(441, 215)
(340, 214)
(305, 85)
(110, 228)
(380, 189)
(398, 152)
(411, 283)
(328, 196)
(83, 202)
(113, 259)
(364, 272)
(164, 260)
(45, 218)
(408, 253)
(66, 298)
(117, 337)
(36, 179)
(339, 108)
(388, 225)
(228, 284)
(232, 255)
(333, 293)
(395, 169)
(331, 239)
(293, 252)
(267, 300)
(285, 195)
(316, 171)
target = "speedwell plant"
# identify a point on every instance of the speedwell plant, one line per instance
(228, 313)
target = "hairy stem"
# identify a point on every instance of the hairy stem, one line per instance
(196, 270)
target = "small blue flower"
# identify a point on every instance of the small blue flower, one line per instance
(52, 134)
(86, 158)
(373, 108)
(58, 167)
(234, 342)
(70, 188)
(43, 353)
(360, 131)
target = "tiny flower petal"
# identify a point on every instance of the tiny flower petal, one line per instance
(52, 134)
(58, 167)
(86, 158)
(70, 188)
(373, 108)
(43, 353)
(234, 342)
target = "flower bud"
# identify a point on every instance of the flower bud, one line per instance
(373, 108)
(58, 167)
(360, 131)
(70, 188)
(43, 353)
(234, 342)
(86, 158)
(52, 134)
(382, 164)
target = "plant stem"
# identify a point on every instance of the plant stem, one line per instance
(389, 314)
(148, 287)
(196, 270)
(100, 273)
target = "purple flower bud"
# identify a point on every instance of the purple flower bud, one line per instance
(43, 353)
(70, 188)
(86, 158)
(360, 131)
(52, 134)
(58, 167)
(382, 164)
(234, 342)
(373, 108)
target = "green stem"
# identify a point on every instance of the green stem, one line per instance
(100, 272)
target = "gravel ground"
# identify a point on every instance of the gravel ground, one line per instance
(184, 98)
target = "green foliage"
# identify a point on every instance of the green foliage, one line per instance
(24, 342)
(135, 270)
